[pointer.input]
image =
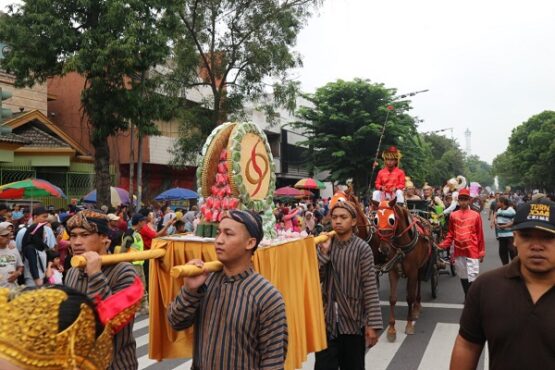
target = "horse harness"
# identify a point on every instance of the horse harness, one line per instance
(415, 223)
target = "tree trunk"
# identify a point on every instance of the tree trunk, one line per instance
(102, 180)
(140, 169)
(131, 167)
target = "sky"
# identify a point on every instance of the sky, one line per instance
(488, 65)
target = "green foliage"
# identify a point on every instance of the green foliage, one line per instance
(244, 49)
(478, 171)
(109, 43)
(344, 125)
(529, 159)
(445, 160)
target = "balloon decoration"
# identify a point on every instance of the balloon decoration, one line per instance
(237, 172)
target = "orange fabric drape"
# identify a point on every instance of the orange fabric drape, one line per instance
(292, 268)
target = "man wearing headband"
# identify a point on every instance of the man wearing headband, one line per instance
(88, 236)
(350, 293)
(239, 317)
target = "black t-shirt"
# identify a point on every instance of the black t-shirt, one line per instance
(499, 309)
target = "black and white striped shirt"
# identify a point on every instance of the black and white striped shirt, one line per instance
(239, 322)
(111, 280)
(349, 287)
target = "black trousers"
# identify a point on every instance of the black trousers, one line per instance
(345, 352)
(507, 249)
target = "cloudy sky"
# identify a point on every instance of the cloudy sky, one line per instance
(489, 65)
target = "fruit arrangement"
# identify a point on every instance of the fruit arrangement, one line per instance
(237, 172)
(221, 198)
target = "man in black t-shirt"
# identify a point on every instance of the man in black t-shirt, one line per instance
(512, 307)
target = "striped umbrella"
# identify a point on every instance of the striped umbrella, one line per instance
(310, 183)
(117, 196)
(30, 188)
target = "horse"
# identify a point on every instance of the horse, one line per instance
(407, 251)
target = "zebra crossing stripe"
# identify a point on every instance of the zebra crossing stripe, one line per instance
(140, 324)
(438, 352)
(379, 357)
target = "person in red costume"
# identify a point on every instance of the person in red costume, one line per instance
(390, 181)
(467, 233)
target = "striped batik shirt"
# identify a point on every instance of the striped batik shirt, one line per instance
(103, 284)
(239, 322)
(349, 287)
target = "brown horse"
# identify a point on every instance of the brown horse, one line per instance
(407, 251)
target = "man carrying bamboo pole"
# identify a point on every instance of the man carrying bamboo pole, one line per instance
(239, 316)
(88, 235)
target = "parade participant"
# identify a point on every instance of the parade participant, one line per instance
(503, 225)
(88, 232)
(239, 317)
(350, 295)
(434, 200)
(512, 307)
(410, 190)
(452, 188)
(60, 328)
(390, 181)
(467, 235)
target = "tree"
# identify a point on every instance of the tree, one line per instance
(242, 46)
(107, 42)
(344, 125)
(478, 171)
(446, 159)
(530, 157)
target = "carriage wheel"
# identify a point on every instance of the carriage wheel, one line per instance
(435, 281)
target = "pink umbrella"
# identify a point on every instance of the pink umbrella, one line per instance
(287, 191)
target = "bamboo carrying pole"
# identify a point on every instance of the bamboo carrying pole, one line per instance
(176, 271)
(112, 259)
(214, 266)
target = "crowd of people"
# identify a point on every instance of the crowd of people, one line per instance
(240, 318)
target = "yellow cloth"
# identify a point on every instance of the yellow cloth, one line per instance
(292, 268)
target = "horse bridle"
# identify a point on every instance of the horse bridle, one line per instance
(406, 248)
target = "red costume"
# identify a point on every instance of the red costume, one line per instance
(390, 180)
(465, 230)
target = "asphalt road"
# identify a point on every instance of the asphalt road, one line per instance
(428, 349)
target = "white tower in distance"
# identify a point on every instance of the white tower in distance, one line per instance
(467, 135)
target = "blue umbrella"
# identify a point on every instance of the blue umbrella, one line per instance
(177, 194)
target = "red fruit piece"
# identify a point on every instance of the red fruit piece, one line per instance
(221, 179)
(223, 155)
(209, 202)
(214, 190)
(234, 202)
(222, 167)
(217, 204)
(215, 215)
(208, 214)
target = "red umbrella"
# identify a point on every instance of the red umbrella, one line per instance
(287, 191)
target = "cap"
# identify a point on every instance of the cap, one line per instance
(137, 217)
(112, 217)
(464, 192)
(538, 215)
(4, 229)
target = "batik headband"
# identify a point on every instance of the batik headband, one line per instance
(92, 221)
(345, 205)
(251, 220)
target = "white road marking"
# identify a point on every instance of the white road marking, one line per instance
(455, 306)
(438, 351)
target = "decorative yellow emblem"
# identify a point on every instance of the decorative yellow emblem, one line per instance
(29, 336)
